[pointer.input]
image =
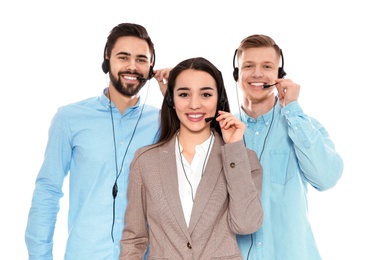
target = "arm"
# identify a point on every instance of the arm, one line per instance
(48, 191)
(318, 159)
(134, 240)
(243, 174)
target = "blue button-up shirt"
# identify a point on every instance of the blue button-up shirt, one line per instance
(295, 150)
(81, 143)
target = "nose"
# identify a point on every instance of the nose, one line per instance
(131, 64)
(256, 73)
(195, 102)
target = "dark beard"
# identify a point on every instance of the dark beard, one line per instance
(128, 90)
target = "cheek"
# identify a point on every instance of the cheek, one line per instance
(179, 105)
(212, 105)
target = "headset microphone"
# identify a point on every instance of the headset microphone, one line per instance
(141, 78)
(208, 119)
(150, 75)
(268, 85)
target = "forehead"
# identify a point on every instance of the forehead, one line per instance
(194, 80)
(259, 55)
(132, 45)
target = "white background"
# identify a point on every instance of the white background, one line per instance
(51, 54)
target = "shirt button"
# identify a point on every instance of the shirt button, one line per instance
(189, 245)
(232, 165)
(259, 243)
(257, 133)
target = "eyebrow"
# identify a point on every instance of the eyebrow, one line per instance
(263, 62)
(128, 54)
(186, 88)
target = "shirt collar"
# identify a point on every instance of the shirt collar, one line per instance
(265, 118)
(106, 102)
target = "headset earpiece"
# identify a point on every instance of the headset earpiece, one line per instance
(236, 70)
(281, 72)
(106, 62)
(106, 66)
(151, 72)
(169, 98)
(221, 101)
(236, 74)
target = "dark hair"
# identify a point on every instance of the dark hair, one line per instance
(128, 29)
(170, 123)
(256, 41)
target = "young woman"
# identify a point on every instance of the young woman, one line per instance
(193, 191)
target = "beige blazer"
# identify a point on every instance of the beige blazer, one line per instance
(227, 202)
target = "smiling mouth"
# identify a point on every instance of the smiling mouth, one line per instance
(257, 84)
(195, 116)
(130, 77)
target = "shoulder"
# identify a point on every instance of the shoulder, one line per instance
(81, 104)
(154, 151)
(147, 152)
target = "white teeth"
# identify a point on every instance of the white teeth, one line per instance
(131, 78)
(257, 84)
(195, 116)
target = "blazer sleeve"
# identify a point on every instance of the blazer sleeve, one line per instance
(134, 240)
(243, 173)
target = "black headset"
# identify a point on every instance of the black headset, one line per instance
(221, 98)
(106, 64)
(281, 72)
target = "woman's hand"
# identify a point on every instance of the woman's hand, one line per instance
(231, 127)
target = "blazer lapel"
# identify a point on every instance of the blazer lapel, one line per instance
(207, 183)
(169, 179)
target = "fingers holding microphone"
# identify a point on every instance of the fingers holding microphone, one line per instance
(231, 127)
(288, 91)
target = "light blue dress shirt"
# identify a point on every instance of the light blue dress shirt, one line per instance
(81, 143)
(294, 152)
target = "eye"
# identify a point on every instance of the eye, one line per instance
(123, 57)
(183, 94)
(206, 95)
(268, 67)
(141, 60)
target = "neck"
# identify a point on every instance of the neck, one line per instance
(189, 140)
(120, 101)
(255, 108)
